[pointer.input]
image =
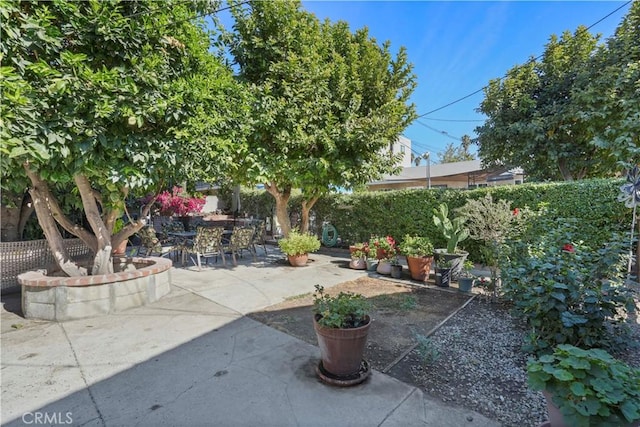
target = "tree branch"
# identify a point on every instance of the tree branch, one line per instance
(56, 211)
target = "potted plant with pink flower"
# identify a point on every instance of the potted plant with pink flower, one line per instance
(385, 250)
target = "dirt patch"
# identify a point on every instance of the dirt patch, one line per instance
(400, 313)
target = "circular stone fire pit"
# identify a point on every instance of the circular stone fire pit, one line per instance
(65, 298)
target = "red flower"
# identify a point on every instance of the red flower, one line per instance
(568, 247)
(516, 211)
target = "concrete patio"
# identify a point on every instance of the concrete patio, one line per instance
(194, 359)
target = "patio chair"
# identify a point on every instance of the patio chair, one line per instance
(206, 244)
(150, 243)
(170, 227)
(260, 236)
(241, 239)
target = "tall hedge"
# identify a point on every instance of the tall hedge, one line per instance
(358, 216)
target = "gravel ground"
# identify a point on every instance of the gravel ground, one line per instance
(479, 365)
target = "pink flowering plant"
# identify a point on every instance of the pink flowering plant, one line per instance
(179, 203)
(383, 247)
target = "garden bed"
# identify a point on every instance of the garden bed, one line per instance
(472, 360)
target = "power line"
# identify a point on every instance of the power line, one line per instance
(529, 61)
(454, 120)
(442, 132)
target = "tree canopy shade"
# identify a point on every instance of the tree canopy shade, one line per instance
(111, 99)
(534, 120)
(327, 102)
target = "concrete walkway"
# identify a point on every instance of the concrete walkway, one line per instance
(194, 359)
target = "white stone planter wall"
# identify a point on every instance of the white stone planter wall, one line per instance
(67, 298)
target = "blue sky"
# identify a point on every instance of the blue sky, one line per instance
(457, 47)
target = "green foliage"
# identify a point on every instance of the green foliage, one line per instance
(345, 310)
(123, 97)
(416, 246)
(610, 100)
(534, 121)
(453, 230)
(590, 387)
(328, 100)
(299, 243)
(566, 291)
(453, 154)
(593, 203)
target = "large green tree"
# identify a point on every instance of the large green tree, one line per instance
(109, 99)
(534, 119)
(328, 102)
(611, 98)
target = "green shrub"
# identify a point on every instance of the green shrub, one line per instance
(590, 387)
(567, 291)
(416, 246)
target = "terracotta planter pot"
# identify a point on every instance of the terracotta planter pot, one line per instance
(358, 264)
(420, 267)
(555, 416)
(298, 260)
(384, 267)
(121, 249)
(341, 350)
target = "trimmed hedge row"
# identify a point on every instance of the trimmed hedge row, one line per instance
(357, 216)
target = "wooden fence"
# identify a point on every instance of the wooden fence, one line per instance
(19, 257)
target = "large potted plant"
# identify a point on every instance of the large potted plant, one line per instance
(586, 388)
(419, 253)
(297, 247)
(341, 323)
(454, 231)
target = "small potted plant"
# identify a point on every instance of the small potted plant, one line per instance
(466, 279)
(396, 268)
(385, 250)
(297, 246)
(444, 268)
(358, 254)
(341, 323)
(419, 253)
(586, 387)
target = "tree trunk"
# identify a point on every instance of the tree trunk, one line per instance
(306, 210)
(43, 204)
(282, 202)
(102, 263)
(564, 171)
(13, 217)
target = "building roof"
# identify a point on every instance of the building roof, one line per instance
(436, 171)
